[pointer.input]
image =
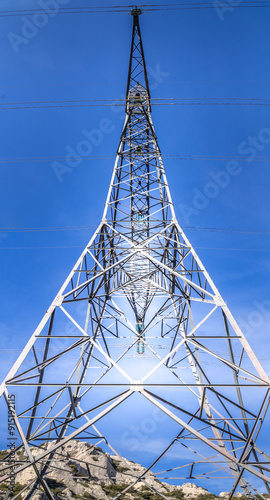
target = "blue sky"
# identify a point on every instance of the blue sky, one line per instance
(190, 54)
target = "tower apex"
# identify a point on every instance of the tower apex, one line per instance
(136, 11)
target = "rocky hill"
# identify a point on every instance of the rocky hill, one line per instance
(82, 471)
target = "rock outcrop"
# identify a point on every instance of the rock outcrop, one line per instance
(83, 471)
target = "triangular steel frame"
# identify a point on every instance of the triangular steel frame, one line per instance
(139, 280)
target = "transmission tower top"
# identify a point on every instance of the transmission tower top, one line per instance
(137, 84)
(136, 12)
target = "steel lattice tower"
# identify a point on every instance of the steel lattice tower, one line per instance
(139, 282)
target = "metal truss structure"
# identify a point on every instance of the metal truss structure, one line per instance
(139, 320)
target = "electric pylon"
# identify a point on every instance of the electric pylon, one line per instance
(139, 282)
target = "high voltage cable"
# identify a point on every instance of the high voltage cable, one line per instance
(84, 104)
(227, 230)
(34, 159)
(14, 230)
(127, 7)
(66, 10)
(154, 104)
(123, 101)
(119, 8)
(247, 249)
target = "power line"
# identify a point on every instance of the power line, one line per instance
(34, 159)
(211, 99)
(14, 230)
(227, 230)
(124, 9)
(98, 103)
(247, 249)
(65, 10)
(153, 100)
